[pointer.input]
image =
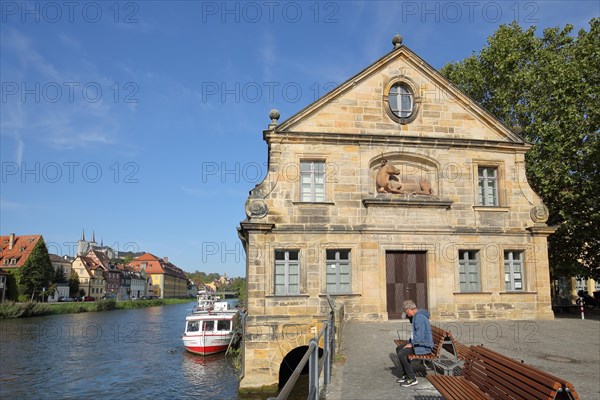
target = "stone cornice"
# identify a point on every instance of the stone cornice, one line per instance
(256, 226)
(390, 141)
(414, 201)
(542, 229)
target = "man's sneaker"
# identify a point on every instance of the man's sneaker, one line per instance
(402, 379)
(409, 382)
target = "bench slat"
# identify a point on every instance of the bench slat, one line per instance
(456, 388)
(505, 372)
(505, 378)
(491, 375)
(502, 384)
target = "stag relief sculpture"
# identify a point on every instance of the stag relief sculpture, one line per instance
(388, 181)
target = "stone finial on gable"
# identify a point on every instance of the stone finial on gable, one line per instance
(397, 41)
(274, 115)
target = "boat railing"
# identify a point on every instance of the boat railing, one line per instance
(315, 365)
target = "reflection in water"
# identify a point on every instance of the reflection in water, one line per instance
(203, 370)
(126, 354)
(118, 354)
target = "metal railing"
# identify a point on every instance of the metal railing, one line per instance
(315, 366)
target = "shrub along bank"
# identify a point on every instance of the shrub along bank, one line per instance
(30, 309)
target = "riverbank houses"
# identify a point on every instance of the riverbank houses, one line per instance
(165, 278)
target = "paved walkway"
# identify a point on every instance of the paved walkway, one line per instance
(567, 347)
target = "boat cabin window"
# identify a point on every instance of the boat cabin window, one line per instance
(209, 326)
(193, 326)
(223, 325)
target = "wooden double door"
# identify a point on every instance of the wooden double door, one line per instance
(406, 279)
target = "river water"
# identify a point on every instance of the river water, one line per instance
(124, 354)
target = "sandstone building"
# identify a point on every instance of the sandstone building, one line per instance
(394, 185)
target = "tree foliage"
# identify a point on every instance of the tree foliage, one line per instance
(127, 259)
(59, 275)
(12, 284)
(549, 87)
(37, 272)
(74, 284)
(202, 277)
(238, 285)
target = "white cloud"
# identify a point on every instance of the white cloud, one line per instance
(69, 41)
(9, 205)
(267, 55)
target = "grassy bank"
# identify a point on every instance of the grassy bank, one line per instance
(19, 310)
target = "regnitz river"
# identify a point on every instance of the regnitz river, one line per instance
(123, 354)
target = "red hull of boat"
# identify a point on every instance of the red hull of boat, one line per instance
(205, 350)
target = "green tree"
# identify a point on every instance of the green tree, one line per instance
(74, 284)
(127, 259)
(59, 275)
(37, 272)
(202, 277)
(12, 284)
(238, 285)
(548, 88)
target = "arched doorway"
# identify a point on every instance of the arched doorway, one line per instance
(291, 361)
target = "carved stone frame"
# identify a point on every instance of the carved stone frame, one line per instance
(501, 178)
(412, 86)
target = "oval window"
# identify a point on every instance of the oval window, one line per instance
(401, 101)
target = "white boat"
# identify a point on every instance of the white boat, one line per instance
(211, 331)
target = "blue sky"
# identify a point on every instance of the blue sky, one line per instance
(143, 120)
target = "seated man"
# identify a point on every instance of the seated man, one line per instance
(421, 342)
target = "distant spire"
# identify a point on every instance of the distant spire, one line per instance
(93, 236)
(82, 235)
(102, 242)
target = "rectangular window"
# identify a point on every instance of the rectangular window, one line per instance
(208, 326)
(488, 186)
(287, 272)
(580, 283)
(468, 267)
(338, 271)
(223, 325)
(312, 181)
(513, 270)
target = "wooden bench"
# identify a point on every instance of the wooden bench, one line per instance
(441, 338)
(491, 375)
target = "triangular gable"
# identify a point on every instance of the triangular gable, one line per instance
(357, 106)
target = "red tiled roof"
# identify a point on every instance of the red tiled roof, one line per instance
(155, 265)
(21, 249)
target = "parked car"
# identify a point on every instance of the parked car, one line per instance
(64, 299)
(88, 298)
(133, 298)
